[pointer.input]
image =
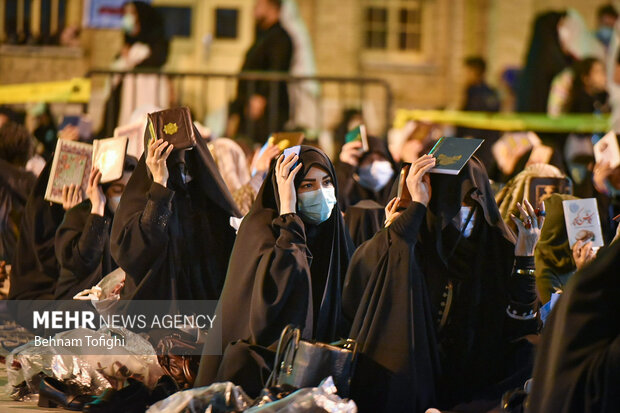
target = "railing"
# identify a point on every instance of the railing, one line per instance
(35, 21)
(329, 95)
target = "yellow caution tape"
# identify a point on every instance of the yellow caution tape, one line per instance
(71, 91)
(576, 123)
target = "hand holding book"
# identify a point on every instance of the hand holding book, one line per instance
(157, 155)
(418, 181)
(71, 196)
(95, 193)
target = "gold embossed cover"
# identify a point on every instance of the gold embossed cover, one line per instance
(453, 153)
(174, 126)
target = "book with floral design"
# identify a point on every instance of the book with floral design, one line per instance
(71, 165)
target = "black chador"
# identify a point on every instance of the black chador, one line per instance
(175, 241)
(282, 271)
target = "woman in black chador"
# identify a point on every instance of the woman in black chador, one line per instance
(441, 298)
(287, 267)
(82, 241)
(578, 364)
(171, 232)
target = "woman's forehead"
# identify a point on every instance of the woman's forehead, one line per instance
(316, 172)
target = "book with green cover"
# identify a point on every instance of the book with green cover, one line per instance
(358, 134)
(453, 153)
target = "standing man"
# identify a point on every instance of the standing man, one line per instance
(262, 107)
(479, 97)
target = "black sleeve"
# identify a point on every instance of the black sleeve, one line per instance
(143, 237)
(281, 289)
(344, 176)
(80, 241)
(522, 311)
(407, 225)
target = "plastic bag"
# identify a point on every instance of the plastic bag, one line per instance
(106, 294)
(216, 398)
(310, 400)
(92, 373)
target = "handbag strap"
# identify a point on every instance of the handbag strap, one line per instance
(288, 333)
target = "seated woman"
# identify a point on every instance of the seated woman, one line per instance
(171, 232)
(287, 267)
(555, 262)
(365, 175)
(578, 362)
(83, 238)
(442, 298)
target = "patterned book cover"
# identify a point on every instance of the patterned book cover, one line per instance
(582, 221)
(71, 165)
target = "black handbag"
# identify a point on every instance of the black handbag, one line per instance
(301, 363)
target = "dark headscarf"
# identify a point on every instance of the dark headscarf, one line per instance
(152, 33)
(364, 220)
(351, 191)
(400, 278)
(266, 290)
(189, 260)
(83, 245)
(578, 362)
(554, 257)
(479, 269)
(35, 271)
(15, 186)
(545, 59)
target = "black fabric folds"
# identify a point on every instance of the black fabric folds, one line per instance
(578, 363)
(351, 192)
(175, 241)
(36, 269)
(429, 305)
(15, 186)
(364, 220)
(282, 271)
(83, 250)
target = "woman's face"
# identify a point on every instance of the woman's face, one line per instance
(131, 14)
(316, 178)
(371, 157)
(596, 79)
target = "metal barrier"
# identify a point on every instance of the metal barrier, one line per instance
(341, 92)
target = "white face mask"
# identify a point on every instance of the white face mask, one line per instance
(461, 220)
(129, 23)
(316, 206)
(376, 175)
(113, 202)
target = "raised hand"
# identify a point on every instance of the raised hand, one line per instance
(391, 211)
(583, 253)
(418, 181)
(528, 227)
(261, 163)
(351, 153)
(95, 192)
(71, 196)
(285, 178)
(156, 157)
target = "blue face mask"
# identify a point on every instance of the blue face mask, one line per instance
(316, 206)
(129, 23)
(376, 175)
(604, 34)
